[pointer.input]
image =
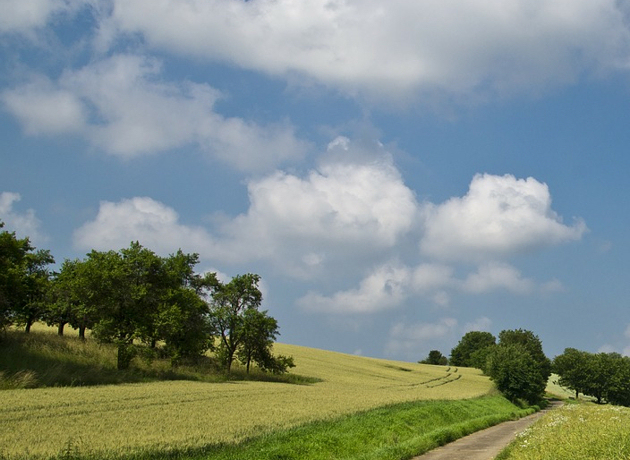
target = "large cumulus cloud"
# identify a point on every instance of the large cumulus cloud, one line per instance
(499, 216)
(389, 49)
(352, 219)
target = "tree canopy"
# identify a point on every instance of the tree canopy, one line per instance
(24, 280)
(435, 357)
(134, 296)
(604, 376)
(470, 343)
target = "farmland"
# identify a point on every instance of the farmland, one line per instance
(178, 415)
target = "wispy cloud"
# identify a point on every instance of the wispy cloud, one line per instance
(24, 224)
(122, 106)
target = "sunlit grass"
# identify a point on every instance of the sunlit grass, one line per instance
(575, 432)
(176, 415)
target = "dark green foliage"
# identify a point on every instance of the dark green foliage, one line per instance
(134, 296)
(435, 357)
(258, 335)
(619, 389)
(516, 373)
(230, 302)
(24, 280)
(604, 376)
(244, 332)
(571, 367)
(70, 298)
(531, 343)
(471, 342)
(479, 359)
(518, 366)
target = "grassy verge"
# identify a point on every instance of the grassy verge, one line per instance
(395, 432)
(583, 431)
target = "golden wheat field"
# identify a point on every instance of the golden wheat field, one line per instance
(180, 414)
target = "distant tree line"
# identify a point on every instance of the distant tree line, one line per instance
(516, 363)
(604, 376)
(521, 370)
(133, 296)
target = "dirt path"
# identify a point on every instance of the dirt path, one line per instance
(485, 444)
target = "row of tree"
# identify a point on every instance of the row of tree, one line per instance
(604, 376)
(516, 363)
(134, 296)
(521, 370)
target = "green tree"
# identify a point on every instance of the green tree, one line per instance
(604, 376)
(471, 342)
(531, 343)
(258, 335)
(184, 325)
(479, 358)
(516, 373)
(75, 295)
(35, 288)
(125, 288)
(65, 299)
(619, 390)
(518, 366)
(435, 357)
(571, 369)
(230, 301)
(12, 254)
(24, 280)
(602, 373)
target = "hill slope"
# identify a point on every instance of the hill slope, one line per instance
(185, 414)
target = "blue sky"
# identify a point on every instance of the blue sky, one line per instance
(398, 173)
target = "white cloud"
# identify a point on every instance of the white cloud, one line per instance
(342, 218)
(408, 339)
(122, 106)
(428, 277)
(480, 324)
(142, 219)
(302, 226)
(499, 216)
(494, 275)
(553, 285)
(44, 108)
(24, 224)
(22, 16)
(340, 209)
(383, 289)
(389, 49)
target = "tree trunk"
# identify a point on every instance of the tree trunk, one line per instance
(27, 329)
(60, 328)
(125, 355)
(229, 363)
(82, 332)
